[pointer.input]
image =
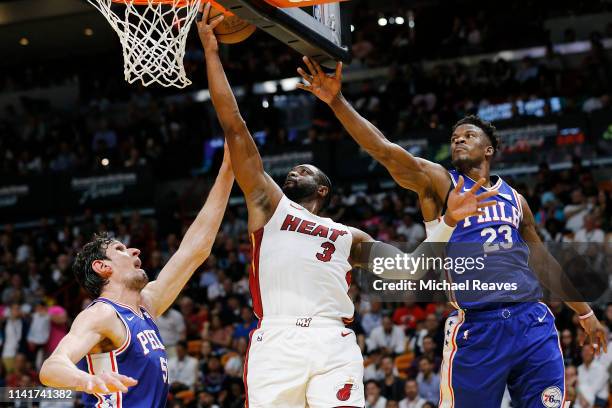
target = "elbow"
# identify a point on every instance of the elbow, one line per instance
(45, 376)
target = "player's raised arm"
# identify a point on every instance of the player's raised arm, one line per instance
(261, 192)
(195, 247)
(460, 205)
(408, 171)
(90, 327)
(551, 275)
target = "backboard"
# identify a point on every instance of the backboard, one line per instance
(322, 32)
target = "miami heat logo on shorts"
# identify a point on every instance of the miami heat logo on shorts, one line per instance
(344, 390)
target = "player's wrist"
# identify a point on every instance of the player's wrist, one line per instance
(449, 219)
(337, 100)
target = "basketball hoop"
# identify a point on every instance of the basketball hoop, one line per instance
(153, 35)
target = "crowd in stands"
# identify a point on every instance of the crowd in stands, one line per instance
(206, 331)
(149, 131)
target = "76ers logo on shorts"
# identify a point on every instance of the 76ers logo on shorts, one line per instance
(551, 397)
(344, 390)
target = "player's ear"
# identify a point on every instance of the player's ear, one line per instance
(323, 191)
(489, 151)
(102, 267)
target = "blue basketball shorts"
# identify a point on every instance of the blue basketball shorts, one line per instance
(515, 346)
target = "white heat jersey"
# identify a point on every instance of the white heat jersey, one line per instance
(301, 265)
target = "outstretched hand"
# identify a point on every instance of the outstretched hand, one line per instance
(206, 28)
(596, 335)
(467, 203)
(106, 383)
(324, 86)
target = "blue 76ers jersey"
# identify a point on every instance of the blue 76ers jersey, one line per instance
(142, 357)
(501, 272)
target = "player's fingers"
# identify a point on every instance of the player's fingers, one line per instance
(484, 196)
(216, 21)
(101, 385)
(484, 204)
(89, 387)
(114, 383)
(303, 87)
(200, 14)
(317, 66)
(304, 75)
(459, 185)
(311, 67)
(204, 13)
(477, 185)
(125, 380)
(339, 70)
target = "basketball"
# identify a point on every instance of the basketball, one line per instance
(232, 29)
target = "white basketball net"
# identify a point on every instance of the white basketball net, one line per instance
(153, 35)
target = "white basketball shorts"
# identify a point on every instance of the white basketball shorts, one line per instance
(303, 362)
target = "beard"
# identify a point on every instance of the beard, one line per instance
(464, 164)
(137, 282)
(298, 192)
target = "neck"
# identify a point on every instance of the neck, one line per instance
(123, 295)
(480, 171)
(311, 204)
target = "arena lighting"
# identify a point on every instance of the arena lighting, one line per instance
(24, 41)
(382, 21)
(391, 20)
(399, 20)
(352, 28)
(105, 162)
(88, 32)
(411, 23)
(265, 104)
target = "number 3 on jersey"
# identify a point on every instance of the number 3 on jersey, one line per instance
(328, 251)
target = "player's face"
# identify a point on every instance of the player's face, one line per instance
(301, 182)
(469, 147)
(126, 266)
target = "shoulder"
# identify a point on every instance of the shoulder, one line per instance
(99, 317)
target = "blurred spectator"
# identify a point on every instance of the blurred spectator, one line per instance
(372, 318)
(14, 330)
(428, 381)
(388, 337)
(414, 233)
(182, 369)
(412, 400)
(576, 211)
(22, 368)
(172, 329)
(38, 335)
(59, 318)
(592, 381)
(373, 397)
(392, 387)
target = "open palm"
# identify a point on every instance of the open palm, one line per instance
(467, 204)
(323, 86)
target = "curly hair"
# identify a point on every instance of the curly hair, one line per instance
(486, 126)
(94, 250)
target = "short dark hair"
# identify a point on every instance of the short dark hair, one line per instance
(94, 250)
(323, 180)
(484, 125)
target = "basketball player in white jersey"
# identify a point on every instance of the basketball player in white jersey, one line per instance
(301, 354)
